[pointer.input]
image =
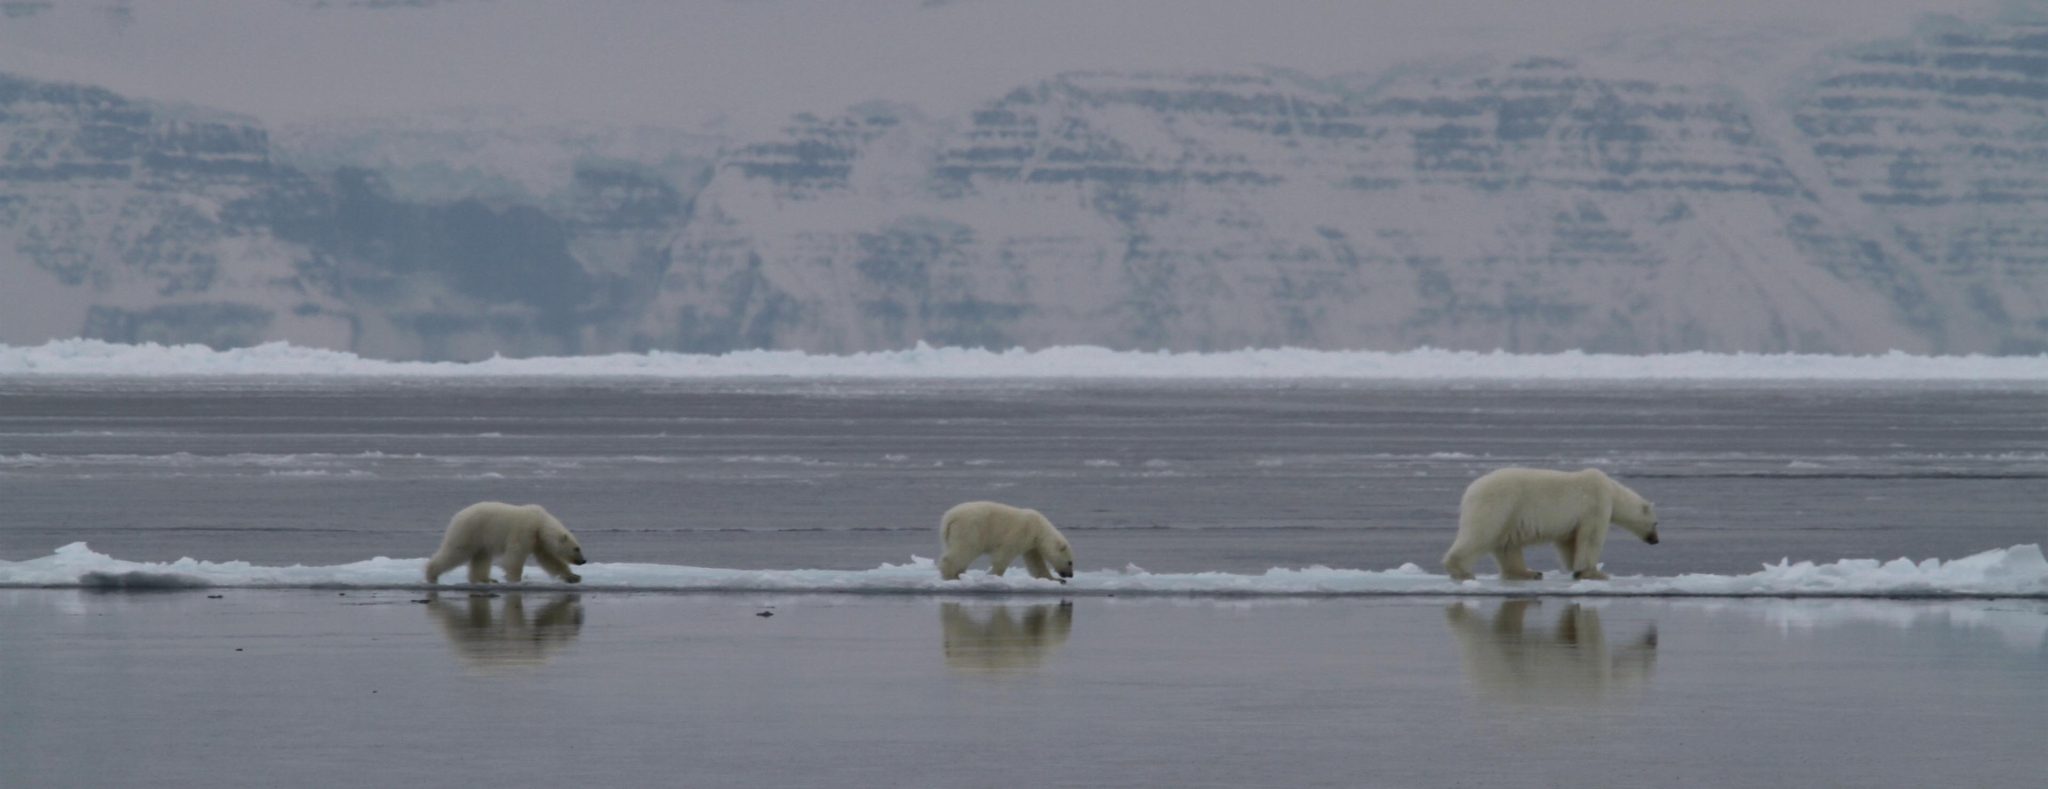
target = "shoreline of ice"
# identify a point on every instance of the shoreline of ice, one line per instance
(2019, 572)
(94, 358)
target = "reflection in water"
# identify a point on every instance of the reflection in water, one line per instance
(2020, 625)
(1569, 664)
(1000, 642)
(493, 631)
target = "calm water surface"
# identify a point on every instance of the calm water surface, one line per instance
(322, 688)
(318, 689)
(1235, 477)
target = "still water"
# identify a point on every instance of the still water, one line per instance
(378, 689)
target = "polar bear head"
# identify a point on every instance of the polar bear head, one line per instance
(565, 546)
(555, 540)
(1061, 557)
(1631, 512)
(1053, 547)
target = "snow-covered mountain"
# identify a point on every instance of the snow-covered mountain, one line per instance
(1881, 201)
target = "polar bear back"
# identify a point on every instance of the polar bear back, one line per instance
(1529, 505)
(493, 525)
(987, 526)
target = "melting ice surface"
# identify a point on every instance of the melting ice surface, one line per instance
(96, 358)
(2019, 571)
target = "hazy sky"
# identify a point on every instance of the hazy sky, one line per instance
(752, 63)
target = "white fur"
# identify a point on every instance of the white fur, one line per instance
(490, 530)
(1514, 507)
(1004, 533)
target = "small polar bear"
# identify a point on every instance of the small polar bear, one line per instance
(1513, 507)
(1004, 533)
(489, 529)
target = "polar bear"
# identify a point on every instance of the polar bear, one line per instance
(1513, 507)
(489, 529)
(1004, 533)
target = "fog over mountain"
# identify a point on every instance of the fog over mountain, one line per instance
(452, 179)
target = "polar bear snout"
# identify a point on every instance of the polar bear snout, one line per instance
(1651, 538)
(1062, 561)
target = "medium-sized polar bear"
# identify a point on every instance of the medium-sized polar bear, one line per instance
(1004, 533)
(490, 530)
(1513, 507)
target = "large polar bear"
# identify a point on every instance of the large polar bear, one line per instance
(1004, 533)
(1513, 507)
(490, 530)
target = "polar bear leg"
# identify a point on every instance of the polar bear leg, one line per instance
(515, 566)
(1458, 561)
(442, 562)
(1588, 539)
(1035, 564)
(952, 565)
(1511, 566)
(556, 568)
(998, 562)
(480, 568)
(1567, 548)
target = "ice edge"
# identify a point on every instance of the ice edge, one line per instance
(94, 358)
(2019, 572)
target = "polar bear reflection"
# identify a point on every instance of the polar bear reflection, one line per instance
(493, 631)
(1571, 664)
(1000, 643)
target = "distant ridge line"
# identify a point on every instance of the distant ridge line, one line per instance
(95, 358)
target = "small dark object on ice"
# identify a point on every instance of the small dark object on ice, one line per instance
(423, 601)
(215, 596)
(766, 613)
(238, 649)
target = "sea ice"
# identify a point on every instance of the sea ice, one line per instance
(2020, 572)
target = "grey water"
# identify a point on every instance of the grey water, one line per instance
(359, 688)
(319, 689)
(1173, 478)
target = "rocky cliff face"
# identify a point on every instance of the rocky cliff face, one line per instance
(121, 221)
(1937, 151)
(1537, 206)
(115, 222)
